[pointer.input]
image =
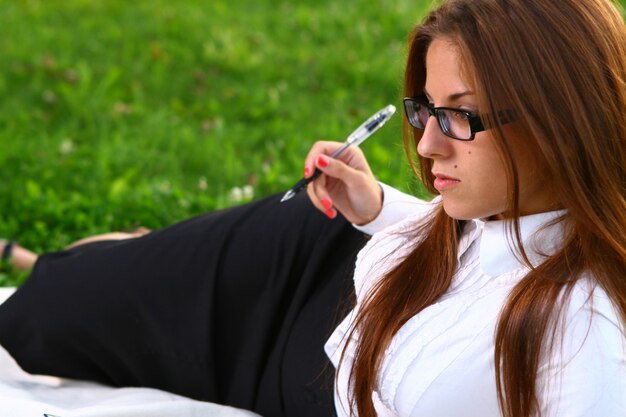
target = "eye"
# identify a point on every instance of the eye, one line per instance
(460, 116)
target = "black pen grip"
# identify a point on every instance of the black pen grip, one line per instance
(306, 181)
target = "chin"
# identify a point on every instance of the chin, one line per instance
(460, 211)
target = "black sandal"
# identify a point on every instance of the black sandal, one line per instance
(6, 254)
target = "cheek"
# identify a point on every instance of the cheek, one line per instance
(531, 175)
(487, 186)
(482, 164)
(485, 178)
(486, 157)
(495, 177)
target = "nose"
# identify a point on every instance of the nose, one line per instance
(434, 143)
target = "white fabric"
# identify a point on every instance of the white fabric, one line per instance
(5, 292)
(441, 363)
(396, 207)
(26, 395)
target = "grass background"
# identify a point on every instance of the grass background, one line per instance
(116, 114)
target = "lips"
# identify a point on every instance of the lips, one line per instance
(443, 182)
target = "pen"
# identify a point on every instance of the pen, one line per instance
(357, 137)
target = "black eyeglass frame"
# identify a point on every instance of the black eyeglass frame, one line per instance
(474, 121)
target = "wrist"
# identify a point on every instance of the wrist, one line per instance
(375, 212)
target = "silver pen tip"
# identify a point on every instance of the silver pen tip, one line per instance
(288, 195)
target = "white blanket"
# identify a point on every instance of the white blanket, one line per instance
(26, 395)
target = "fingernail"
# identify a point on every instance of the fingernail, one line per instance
(321, 161)
(330, 213)
(327, 203)
(307, 171)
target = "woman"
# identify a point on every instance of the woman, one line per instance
(505, 295)
(526, 147)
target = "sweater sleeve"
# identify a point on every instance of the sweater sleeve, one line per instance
(396, 207)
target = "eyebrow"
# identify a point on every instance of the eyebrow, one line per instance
(455, 96)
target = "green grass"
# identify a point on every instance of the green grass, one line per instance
(116, 113)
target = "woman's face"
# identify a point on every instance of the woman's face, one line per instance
(470, 175)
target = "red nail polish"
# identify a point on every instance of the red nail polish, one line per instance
(326, 203)
(307, 171)
(330, 213)
(321, 161)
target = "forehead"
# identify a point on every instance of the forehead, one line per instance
(446, 72)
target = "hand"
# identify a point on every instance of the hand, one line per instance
(347, 183)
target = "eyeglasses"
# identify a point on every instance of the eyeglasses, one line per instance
(455, 123)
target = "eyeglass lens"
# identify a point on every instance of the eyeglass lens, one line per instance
(452, 122)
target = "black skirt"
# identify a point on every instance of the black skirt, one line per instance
(232, 307)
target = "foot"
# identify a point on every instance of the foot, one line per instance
(19, 257)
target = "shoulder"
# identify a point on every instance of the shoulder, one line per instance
(584, 372)
(589, 319)
(589, 305)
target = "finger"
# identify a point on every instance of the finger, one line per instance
(318, 188)
(319, 196)
(338, 170)
(358, 195)
(318, 148)
(310, 190)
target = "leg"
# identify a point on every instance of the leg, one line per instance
(23, 259)
(17, 256)
(232, 307)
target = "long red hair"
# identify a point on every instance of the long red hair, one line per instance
(560, 66)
